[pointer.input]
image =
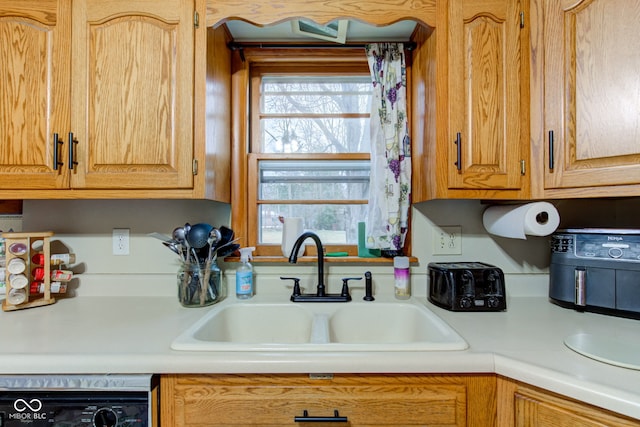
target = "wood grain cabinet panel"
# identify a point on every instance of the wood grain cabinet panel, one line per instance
(365, 400)
(119, 75)
(487, 137)
(521, 405)
(470, 87)
(591, 95)
(132, 94)
(34, 93)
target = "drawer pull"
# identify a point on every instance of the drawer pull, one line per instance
(305, 418)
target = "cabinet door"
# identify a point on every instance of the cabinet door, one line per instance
(487, 94)
(34, 92)
(532, 412)
(592, 92)
(364, 400)
(521, 405)
(132, 93)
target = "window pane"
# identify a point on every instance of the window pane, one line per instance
(317, 135)
(328, 114)
(334, 224)
(314, 179)
(316, 95)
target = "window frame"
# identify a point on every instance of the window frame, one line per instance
(254, 62)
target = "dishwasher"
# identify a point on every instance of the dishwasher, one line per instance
(79, 400)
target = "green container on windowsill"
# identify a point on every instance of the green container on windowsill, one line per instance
(363, 251)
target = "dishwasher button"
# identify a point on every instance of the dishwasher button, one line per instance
(105, 417)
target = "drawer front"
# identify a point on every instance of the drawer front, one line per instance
(278, 400)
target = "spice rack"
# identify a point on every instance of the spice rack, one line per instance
(19, 252)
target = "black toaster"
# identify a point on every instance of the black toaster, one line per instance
(467, 286)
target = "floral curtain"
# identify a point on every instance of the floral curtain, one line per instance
(390, 183)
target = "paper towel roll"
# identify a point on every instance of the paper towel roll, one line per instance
(292, 229)
(518, 221)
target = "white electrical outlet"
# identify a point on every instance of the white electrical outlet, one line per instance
(121, 241)
(447, 240)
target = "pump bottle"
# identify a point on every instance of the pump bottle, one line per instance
(244, 275)
(401, 275)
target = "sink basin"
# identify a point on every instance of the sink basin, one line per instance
(400, 325)
(251, 324)
(354, 326)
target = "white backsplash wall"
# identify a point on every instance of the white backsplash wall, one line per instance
(513, 256)
(85, 227)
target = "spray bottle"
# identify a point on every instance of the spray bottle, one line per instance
(244, 275)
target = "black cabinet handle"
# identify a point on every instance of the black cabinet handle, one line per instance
(305, 418)
(56, 148)
(72, 143)
(551, 150)
(458, 143)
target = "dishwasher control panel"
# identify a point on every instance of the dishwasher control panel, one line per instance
(54, 408)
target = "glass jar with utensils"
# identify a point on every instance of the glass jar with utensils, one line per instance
(200, 284)
(198, 246)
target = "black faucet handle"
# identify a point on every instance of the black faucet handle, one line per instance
(345, 285)
(296, 285)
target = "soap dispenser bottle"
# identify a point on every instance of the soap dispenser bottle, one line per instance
(244, 275)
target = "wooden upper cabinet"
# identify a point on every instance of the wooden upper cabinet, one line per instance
(470, 102)
(592, 95)
(487, 135)
(118, 75)
(34, 93)
(133, 64)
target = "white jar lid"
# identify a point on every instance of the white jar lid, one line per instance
(17, 296)
(18, 281)
(16, 266)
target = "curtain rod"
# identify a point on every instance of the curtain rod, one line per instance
(240, 46)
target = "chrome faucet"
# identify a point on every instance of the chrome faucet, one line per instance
(320, 295)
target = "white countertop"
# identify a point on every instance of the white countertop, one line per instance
(110, 334)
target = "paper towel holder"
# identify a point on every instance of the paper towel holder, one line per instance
(542, 217)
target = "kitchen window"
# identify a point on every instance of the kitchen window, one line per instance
(307, 151)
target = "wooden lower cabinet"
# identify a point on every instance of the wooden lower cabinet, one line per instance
(522, 405)
(364, 400)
